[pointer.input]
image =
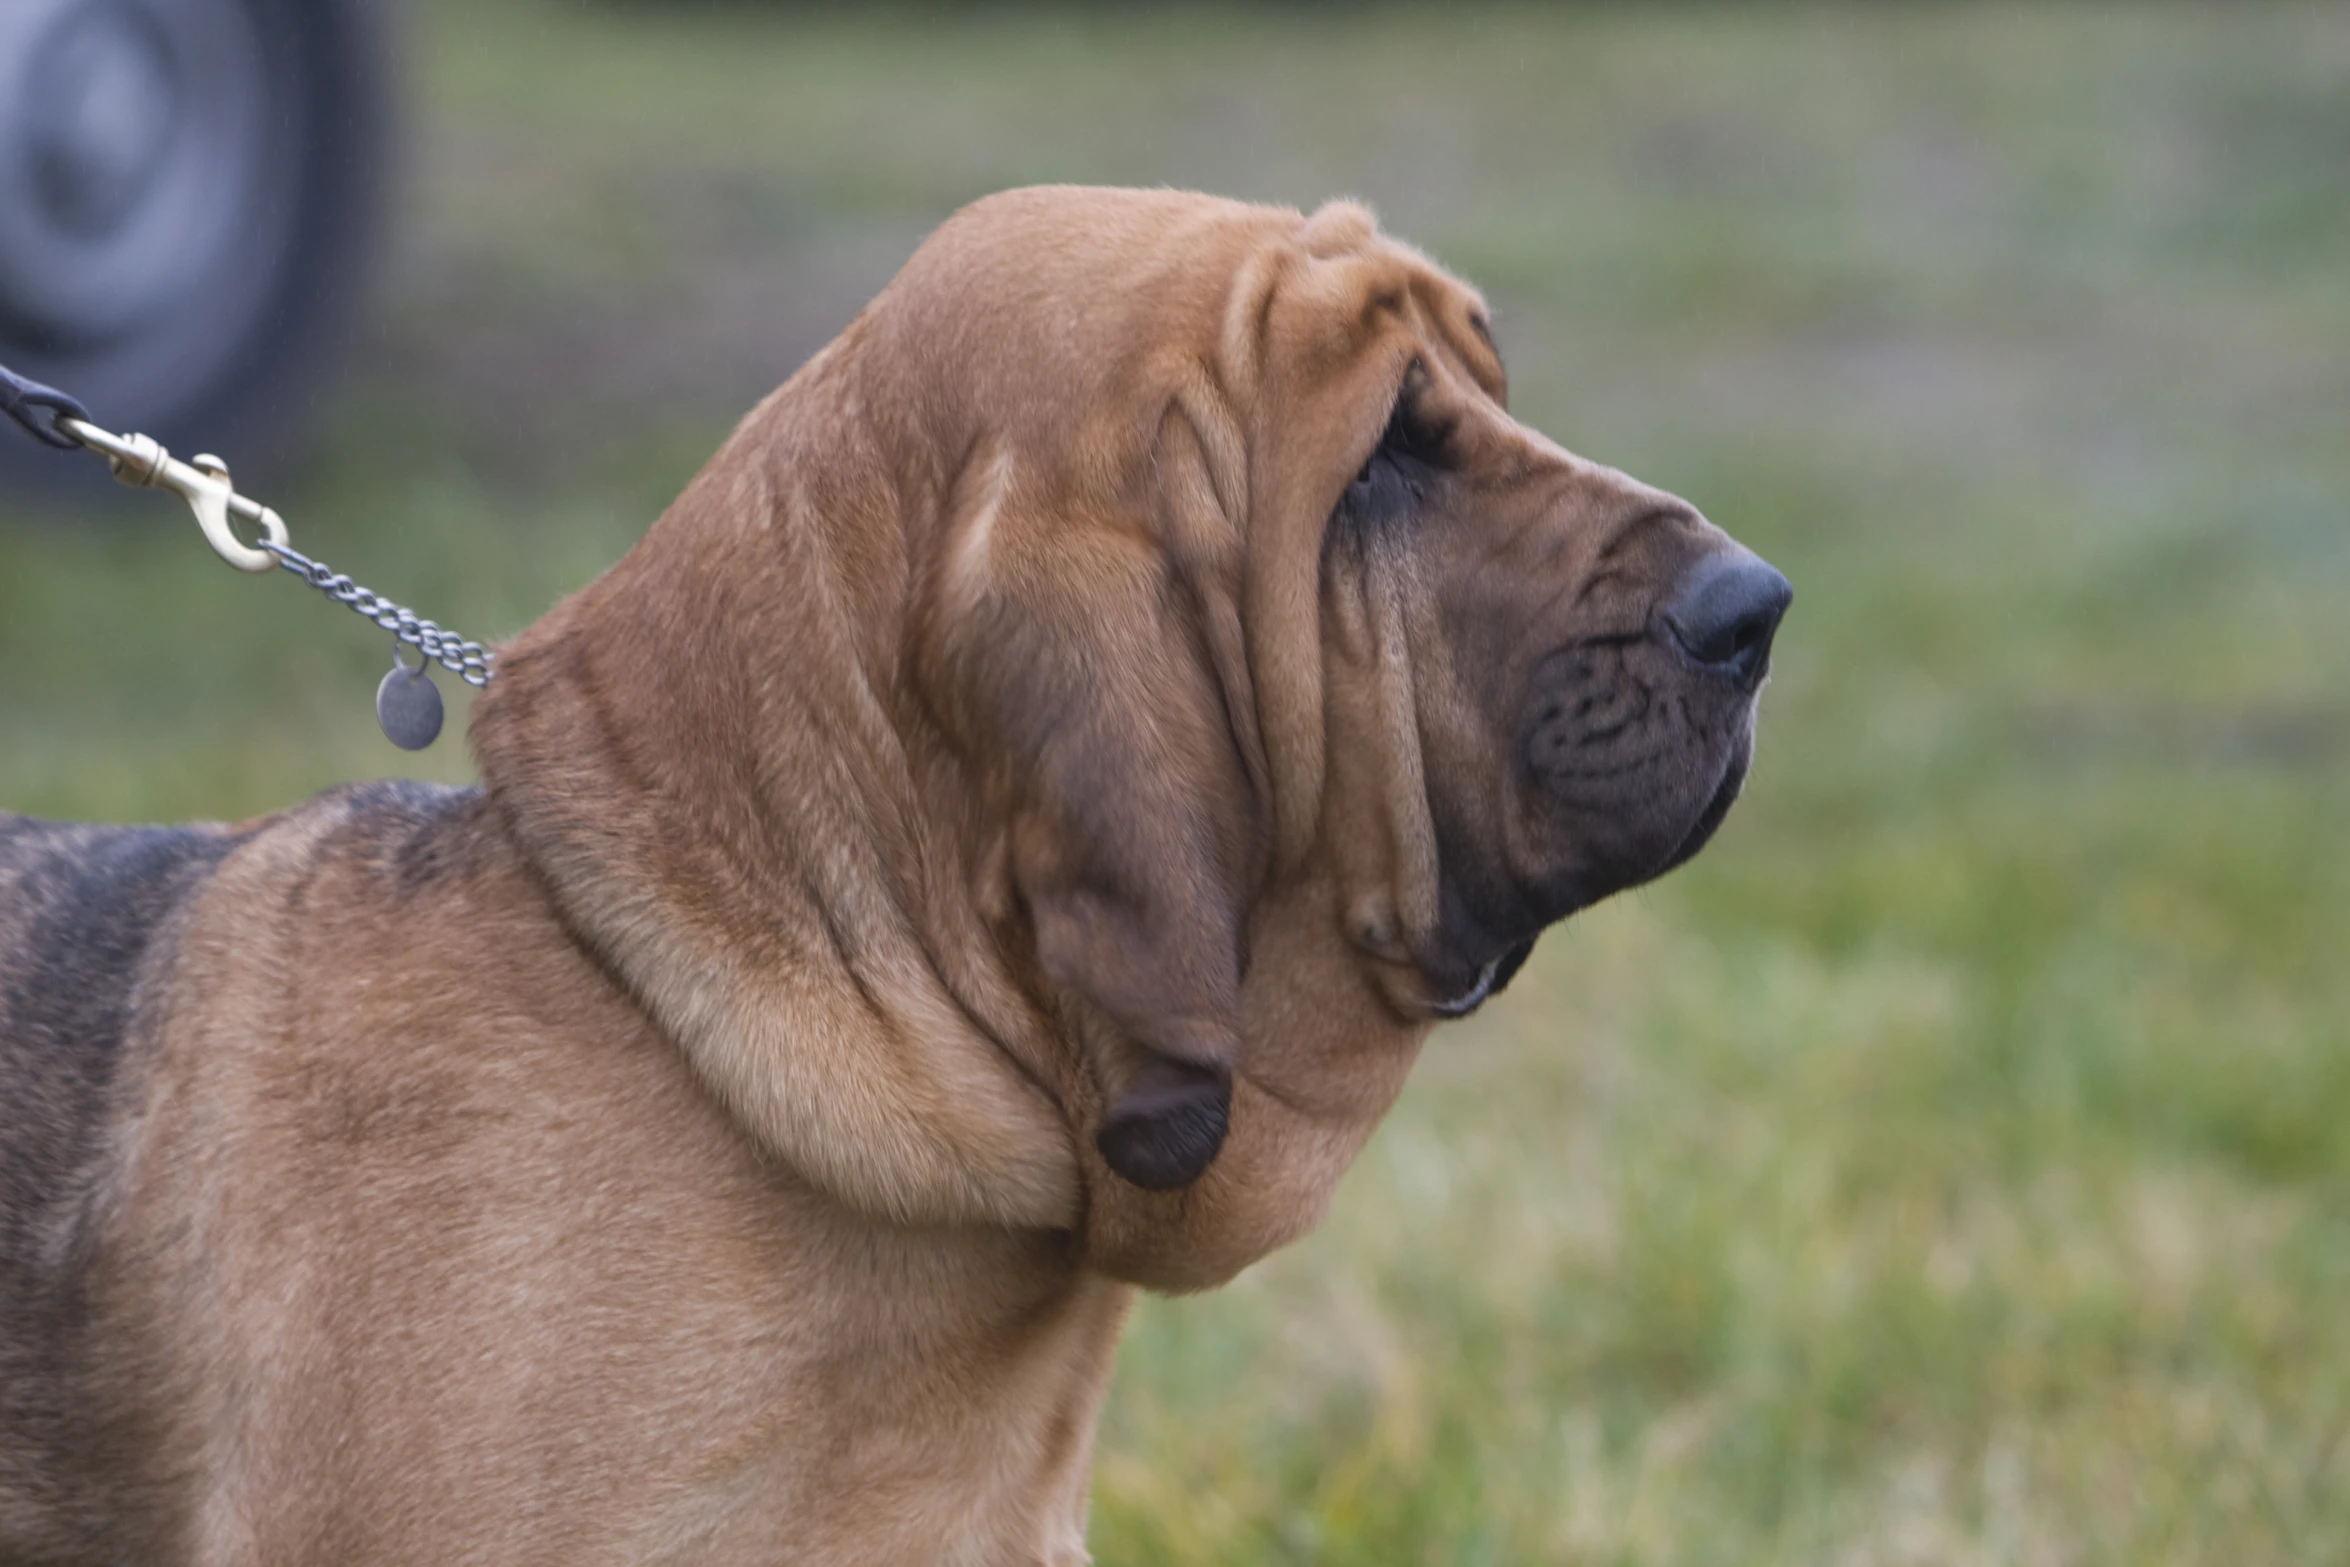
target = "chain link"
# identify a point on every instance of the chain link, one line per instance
(468, 661)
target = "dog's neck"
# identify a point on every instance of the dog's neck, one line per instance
(751, 847)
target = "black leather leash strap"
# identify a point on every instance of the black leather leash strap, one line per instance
(38, 408)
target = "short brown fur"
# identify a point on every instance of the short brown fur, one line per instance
(690, 1147)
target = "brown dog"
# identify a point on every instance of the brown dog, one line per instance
(1000, 839)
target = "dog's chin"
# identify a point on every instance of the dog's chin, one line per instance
(1580, 892)
(1709, 820)
(1663, 846)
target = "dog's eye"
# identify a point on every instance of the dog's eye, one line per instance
(1410, 433)
(1410, 444)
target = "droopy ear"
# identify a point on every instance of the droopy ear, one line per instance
(1094, 696)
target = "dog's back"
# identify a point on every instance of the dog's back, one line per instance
(88, 919)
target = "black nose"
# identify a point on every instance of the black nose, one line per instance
(1725, 611)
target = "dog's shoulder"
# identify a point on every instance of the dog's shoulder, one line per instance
(81, 910)
(86, 921)
(95, 923)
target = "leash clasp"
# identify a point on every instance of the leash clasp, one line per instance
(141, 462)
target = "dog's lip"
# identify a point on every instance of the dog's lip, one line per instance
(1490, 981)
(1412, 995)
(1474, 997)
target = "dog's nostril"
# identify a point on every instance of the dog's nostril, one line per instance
(1726, 612)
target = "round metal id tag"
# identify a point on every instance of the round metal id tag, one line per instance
(408, 705)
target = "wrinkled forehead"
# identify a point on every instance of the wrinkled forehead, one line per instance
(1365, 324)
(1066, 324)
(1070, 273)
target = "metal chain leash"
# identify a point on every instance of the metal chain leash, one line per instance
(468, 661)
(406, 704)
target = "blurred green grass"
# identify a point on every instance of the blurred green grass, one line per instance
(1952, 1165)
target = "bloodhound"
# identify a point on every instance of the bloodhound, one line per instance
(998, 841)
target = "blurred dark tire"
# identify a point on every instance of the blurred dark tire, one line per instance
(189, 194)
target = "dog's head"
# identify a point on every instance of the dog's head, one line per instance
(1256, 608)
(1258, 686)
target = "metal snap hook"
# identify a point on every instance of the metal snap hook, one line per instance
(141, 462)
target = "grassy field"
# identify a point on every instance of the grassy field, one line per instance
(1953, 1165)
